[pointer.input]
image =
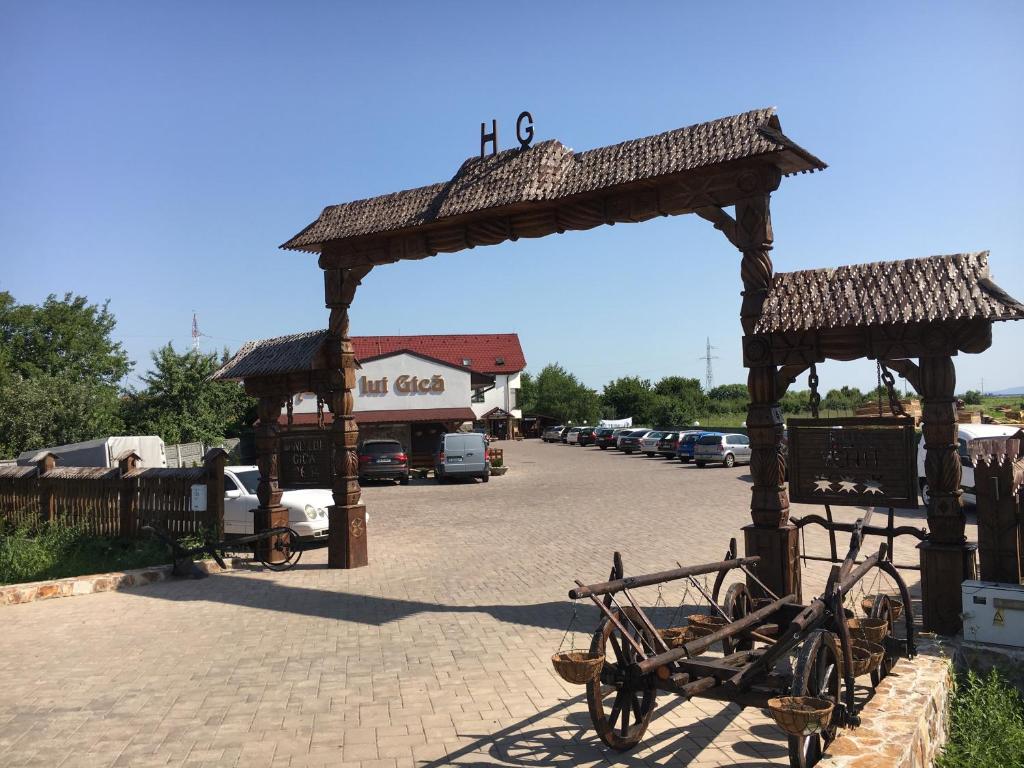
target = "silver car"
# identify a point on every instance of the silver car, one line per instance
(726, 449)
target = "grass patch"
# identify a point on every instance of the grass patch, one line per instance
(57, 551)
(986, 725)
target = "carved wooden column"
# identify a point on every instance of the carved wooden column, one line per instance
(346, 543)
(771, 536)
(270, 513)
(946, 557)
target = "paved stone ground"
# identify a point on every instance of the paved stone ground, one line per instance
(436, 654)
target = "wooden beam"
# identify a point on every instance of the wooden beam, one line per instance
(722, 221)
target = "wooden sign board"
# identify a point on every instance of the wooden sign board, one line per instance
(305, 459)
(853, 462)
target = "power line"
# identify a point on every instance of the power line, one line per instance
(709, 375)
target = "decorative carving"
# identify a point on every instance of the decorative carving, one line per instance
(946, 520)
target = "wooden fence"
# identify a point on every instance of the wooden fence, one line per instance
(115, 501)
(998, 482)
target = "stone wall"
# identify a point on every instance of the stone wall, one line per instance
(907, 720)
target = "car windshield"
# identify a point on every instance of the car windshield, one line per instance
(654, 435)
(376, 449)
(249, 478)
(690, 438)
(710, 440)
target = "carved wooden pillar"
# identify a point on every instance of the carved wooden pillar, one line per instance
(946, 557)
(771, 536)
(346, 543)
(270, 513)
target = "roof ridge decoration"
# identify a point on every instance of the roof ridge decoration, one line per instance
(548, 172)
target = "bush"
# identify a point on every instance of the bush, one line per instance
(986, 725)
(58, 551)
(972, 397)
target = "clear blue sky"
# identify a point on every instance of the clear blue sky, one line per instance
(156, 154)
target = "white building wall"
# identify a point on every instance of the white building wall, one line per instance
(502, 396)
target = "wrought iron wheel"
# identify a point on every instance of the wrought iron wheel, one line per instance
(620, 706)
(817, 674)
(738, 603)
(284, 550)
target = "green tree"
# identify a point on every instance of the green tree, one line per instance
(972, 397)
(181, 404)
(796, 401)
(59, 372)
(629, 396)
(844, 398)
(730, 392)
(562, 395)
(527, 397)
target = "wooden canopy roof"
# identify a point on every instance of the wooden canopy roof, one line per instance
(298, 352)
(549, 188)
(887, 310)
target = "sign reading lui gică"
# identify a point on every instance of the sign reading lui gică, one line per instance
(402, 385)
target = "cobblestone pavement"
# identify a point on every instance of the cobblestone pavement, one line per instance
(436, 654)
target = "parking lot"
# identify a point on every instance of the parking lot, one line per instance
(438, 653)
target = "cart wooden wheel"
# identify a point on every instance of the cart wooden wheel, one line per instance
(817, 674)
(738, 603)
(882, 609)
(620, 707)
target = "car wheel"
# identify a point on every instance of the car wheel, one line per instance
(487, 477)
(925, 494)
(603, 447)
(684, 459)
(404, 480)
(729, 460)
(649, 455)
(628, 453)
(700, 464)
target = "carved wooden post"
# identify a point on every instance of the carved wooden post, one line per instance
(346, 543)
(946, 557)
(270, 513)
(771, 535)
(128, 462)
(47, 502)
(214, 462)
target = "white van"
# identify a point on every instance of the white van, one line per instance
(461, 454)
(968, 433)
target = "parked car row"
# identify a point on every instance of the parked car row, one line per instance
(701, 447)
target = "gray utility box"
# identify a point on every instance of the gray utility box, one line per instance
(993, 613)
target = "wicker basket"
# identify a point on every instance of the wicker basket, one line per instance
(861, 660)
(874, 651)
(871, 630)
(704, 620)
(578, 667)
(801, 715)
(894, 603)
(676, 637)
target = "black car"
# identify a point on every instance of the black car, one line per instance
(383, 460)
(586, 436)
(668, 444)
(604, 438)
(629, 440)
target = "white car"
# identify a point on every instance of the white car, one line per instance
(968, 433)
(307, 507)
(649, 443)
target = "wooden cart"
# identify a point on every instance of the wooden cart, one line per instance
(757, 637)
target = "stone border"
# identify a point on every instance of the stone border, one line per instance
(906, 722)
(16, 594)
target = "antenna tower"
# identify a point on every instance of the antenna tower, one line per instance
(195, 332)
(709, 376)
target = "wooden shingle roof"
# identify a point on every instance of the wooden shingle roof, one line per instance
(937, 288)
(551, 171)
(270, 357)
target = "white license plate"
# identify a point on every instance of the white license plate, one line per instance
(383, 461)
(454, 460)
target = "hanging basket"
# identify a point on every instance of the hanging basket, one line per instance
(706, 621)
(875, 654)
(801, 715)
(870, 630)
(676, 637)
(861, 660)
(577, 667)
(895, 605)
